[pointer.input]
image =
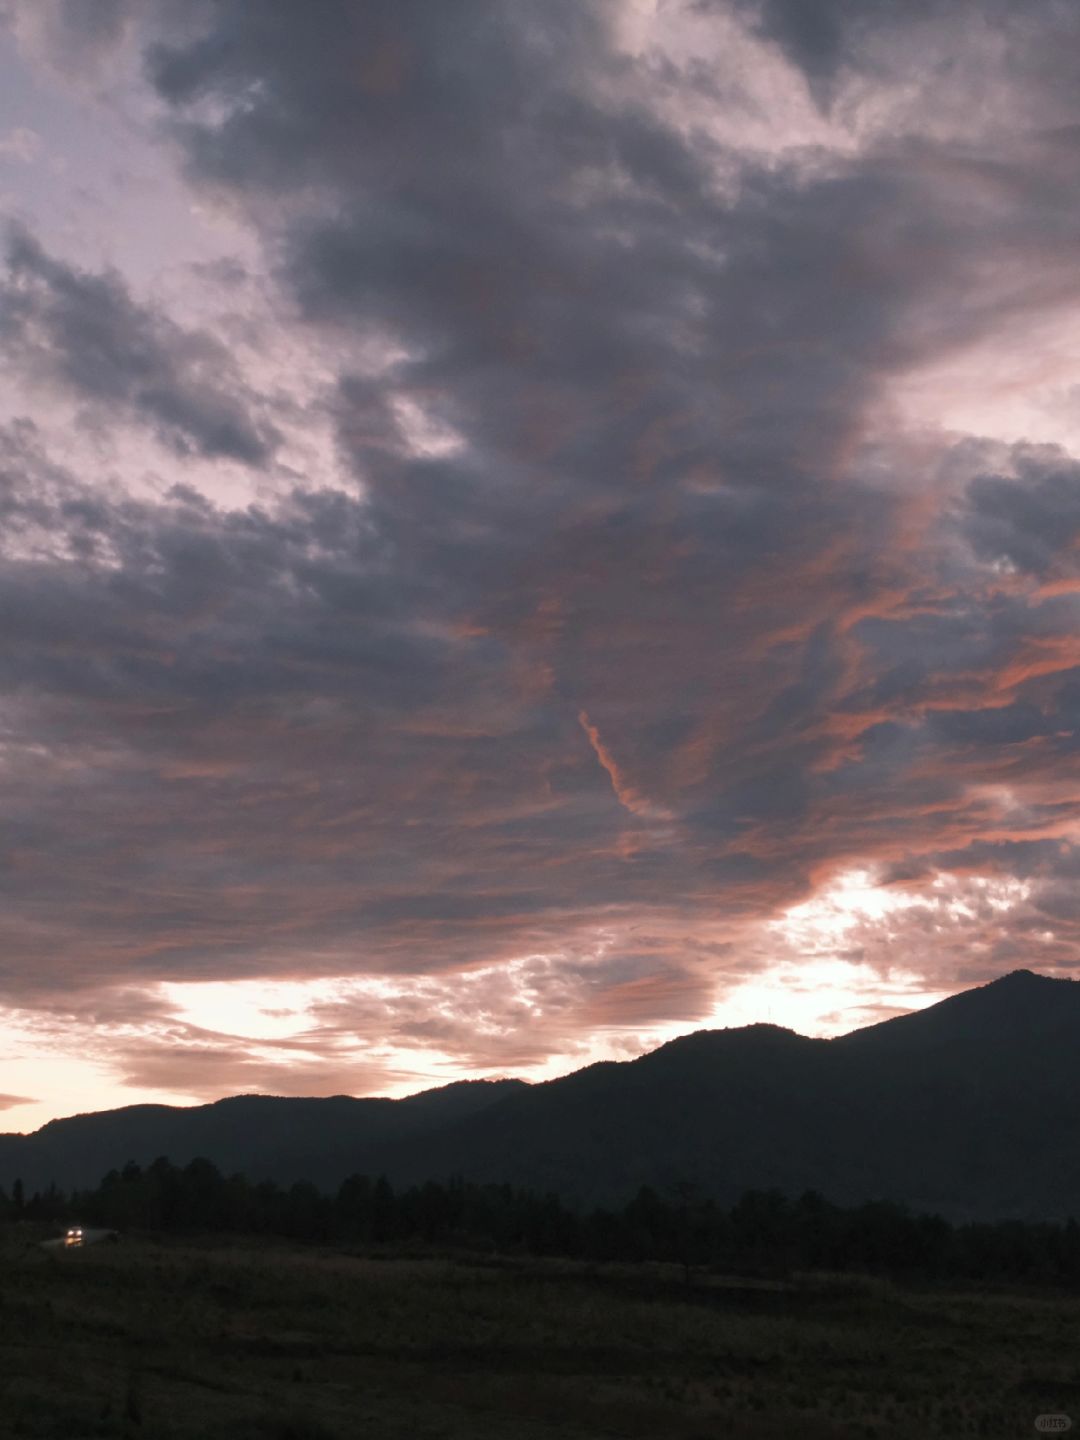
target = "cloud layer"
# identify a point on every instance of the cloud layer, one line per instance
(637, 599)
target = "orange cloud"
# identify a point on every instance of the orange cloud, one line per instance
(628, 797)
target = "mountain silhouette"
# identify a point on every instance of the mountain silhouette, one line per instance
(260, 1136)
(1017, 1008)
(970, 1107)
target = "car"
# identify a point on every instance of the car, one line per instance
(73, 1235)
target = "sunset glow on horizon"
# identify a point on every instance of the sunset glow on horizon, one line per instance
(526, 533)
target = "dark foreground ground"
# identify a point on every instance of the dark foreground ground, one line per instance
(263, 1341)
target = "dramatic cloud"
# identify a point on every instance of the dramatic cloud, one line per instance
(84, 332)
(647, 590)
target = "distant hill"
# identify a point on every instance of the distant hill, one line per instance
(970, 1107)
(1017, 1009)
(261, 1136)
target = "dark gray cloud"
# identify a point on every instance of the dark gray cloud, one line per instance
(1030, 516)
(935, 44)
(84, 332)
(633, 613)
(822, 36)
(72, 35)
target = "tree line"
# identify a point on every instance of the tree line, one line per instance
(764, 1233)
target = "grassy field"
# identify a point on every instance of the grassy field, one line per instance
(263, 1341)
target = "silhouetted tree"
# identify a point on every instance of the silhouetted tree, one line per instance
(764, 1232)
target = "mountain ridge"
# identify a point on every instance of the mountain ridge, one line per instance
(970, 1106)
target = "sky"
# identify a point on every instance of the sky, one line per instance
(526, 530)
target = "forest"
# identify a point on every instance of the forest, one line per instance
(765, 1233)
